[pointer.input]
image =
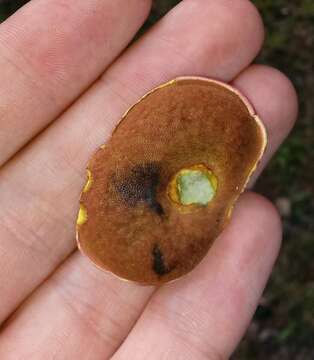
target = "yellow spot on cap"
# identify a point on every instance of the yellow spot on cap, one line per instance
(82, 216)
(89, 182)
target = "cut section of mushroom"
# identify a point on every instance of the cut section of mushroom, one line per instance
(163, 187)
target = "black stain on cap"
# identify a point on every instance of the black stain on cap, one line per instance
(159, 265)
(140, 185)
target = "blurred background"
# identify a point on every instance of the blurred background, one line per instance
(283, 326)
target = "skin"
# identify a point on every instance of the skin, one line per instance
(54, 303)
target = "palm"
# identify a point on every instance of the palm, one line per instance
(51, 52)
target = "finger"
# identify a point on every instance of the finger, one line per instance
(50, 51)
(205, 315)
(275, 101)
(41, 187)
(79, 313)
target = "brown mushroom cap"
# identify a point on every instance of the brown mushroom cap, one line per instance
(129, 223)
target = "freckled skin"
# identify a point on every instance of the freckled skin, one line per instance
(133, 228)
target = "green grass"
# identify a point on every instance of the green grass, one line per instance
(283, 326)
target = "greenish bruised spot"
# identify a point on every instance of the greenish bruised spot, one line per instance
(195, 188)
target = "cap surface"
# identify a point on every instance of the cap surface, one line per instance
(132, 226)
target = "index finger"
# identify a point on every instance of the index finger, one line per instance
(50, 51)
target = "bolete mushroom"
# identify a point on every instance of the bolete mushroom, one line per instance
(163, 187)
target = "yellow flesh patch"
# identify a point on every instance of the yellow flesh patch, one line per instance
(82, 216)
(174, 191)
(89, 182)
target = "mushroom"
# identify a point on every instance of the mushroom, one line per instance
(163, 187)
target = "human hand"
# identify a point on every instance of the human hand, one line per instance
(51, 51)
